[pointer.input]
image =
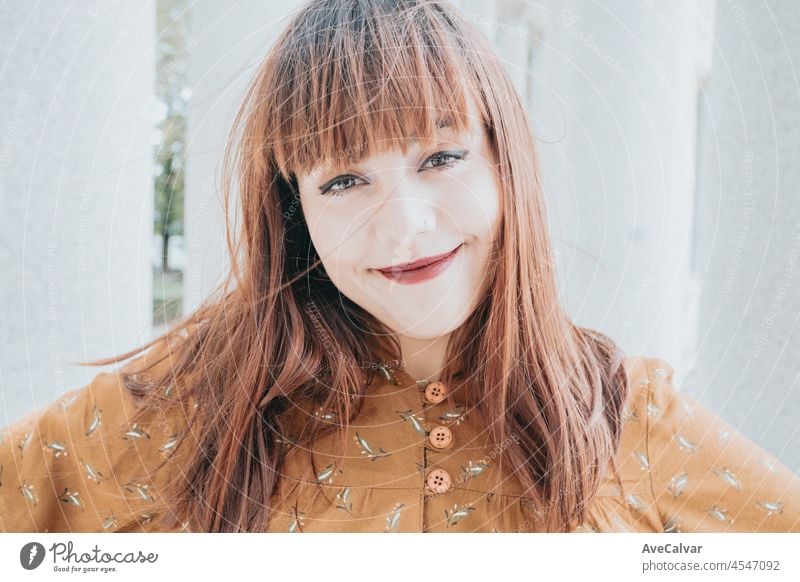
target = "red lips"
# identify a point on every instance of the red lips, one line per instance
(418, 263)
(421, 270)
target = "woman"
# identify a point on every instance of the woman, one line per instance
(389, 352)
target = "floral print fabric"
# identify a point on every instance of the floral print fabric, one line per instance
(73, 466)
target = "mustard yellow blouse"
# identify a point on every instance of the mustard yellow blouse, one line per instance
(416, 461)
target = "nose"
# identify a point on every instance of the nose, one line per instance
(407, 212)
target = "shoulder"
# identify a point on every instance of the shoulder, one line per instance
(654, 400)
(654, 408)
(649, 379)
(643, 377)
(87, 461)
(704, 474)
(667, 407)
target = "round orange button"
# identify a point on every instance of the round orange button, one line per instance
(438, 480)
(440, 437)
(435, 392)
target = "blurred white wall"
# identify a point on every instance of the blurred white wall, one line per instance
(227, 42)
(76, 194)
(747, 233)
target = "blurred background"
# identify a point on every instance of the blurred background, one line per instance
(669, 136)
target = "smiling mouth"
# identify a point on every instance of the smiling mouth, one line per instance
(420, 263)
(420, 271)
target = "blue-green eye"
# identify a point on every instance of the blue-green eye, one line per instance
(335, 187)
(447, 159)
(443, 159)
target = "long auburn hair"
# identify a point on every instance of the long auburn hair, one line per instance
(358, 76)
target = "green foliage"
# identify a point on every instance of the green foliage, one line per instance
(171, 93)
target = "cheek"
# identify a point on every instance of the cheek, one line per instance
(334, 237)
(477, 208)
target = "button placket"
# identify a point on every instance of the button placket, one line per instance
(440, 438)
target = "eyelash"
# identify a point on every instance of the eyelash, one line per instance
(454, 156)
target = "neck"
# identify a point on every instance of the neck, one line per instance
(423, 359)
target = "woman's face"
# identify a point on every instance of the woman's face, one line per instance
(372, 218)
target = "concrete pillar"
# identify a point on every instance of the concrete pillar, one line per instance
(226, 44)
(748, 362)
(76, 201)
(614, 106)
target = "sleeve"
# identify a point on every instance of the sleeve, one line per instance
(707, 477)
(80, 465)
